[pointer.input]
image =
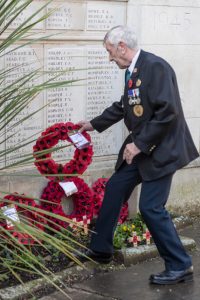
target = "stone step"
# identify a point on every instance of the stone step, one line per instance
(129, 256)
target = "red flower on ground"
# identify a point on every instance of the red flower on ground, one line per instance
(98, 188)
(26, 214)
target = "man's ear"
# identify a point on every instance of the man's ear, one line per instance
(122, 47)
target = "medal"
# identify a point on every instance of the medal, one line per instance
(136, 92)
(138, 100)
(138, 110)
(130, 94)
(132, 101)
(138, 82)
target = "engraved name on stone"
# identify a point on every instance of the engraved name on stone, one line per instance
(23, 61)
(66, 103)
(104, 16)
(104, 86)
(66, 16)
(27, 13)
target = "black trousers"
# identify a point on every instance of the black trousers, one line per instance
(152, 202)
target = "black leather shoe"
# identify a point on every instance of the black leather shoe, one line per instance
(100, 257)
(172, 277)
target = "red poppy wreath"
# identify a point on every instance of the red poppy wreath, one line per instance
(24, 214)
(98, 188)
(50, 138)
(82, 201)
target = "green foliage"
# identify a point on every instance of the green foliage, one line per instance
(125, 230)
(4, 276)
(41, 258)
(50, 249)
(15, 97)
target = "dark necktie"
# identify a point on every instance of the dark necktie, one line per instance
(127, 75)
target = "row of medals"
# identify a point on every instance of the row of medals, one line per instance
(135, 101)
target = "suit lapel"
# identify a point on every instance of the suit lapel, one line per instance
(138, 65)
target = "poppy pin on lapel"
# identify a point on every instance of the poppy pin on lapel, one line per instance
(130, 83)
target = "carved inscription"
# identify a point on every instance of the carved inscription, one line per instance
(175, 19)
(169, 25)
(25, 14)
(104, 80)
(104, 17)
(66, 103)
(66, 16)
(23, 61)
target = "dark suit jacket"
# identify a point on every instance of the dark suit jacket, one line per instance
(161, 133)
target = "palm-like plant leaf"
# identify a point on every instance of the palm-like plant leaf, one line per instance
(15, 96)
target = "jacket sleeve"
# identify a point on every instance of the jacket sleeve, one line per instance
(163, 98)
(110, 116)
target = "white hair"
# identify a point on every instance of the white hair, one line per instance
(119, 34)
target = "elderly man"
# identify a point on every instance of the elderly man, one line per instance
(159, 143)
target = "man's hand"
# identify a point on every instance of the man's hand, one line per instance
(130, 151)
(85, 126)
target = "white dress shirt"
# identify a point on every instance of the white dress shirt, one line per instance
(135, 58)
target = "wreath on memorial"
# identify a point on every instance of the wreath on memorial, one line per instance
(87, 202)
(49, 138)
(98, 189)
(26, 215)
(82, 200)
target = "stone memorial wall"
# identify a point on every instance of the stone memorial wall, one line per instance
(166, 28)
(170, 29)
(23, 61)
(77, 29)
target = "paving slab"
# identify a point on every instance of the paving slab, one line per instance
(132, 283)
(76, 294)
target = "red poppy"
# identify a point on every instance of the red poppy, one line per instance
(98, 188)
(48, 139)
(130, 83)
(82, 201)
(23, 206)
